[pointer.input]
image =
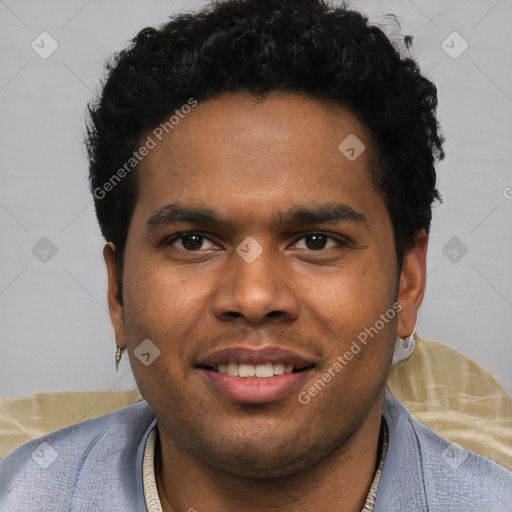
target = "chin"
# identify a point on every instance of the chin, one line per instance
(271, 456)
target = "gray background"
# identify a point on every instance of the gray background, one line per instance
(55, 330)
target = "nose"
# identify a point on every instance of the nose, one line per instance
(255, 293)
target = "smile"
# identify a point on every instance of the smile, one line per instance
(250, 371)
(254, 375)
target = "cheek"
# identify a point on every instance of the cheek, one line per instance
(166, 306)
(158, 308)
(349, 300)
(157, 296)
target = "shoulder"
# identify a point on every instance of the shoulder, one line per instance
(76, 465)
(458, 479)
(434, 474)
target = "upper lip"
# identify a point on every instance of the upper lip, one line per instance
(255, 356)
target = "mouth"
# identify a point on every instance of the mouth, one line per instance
(266, 370)
(248, 375)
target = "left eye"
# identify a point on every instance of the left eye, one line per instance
(318, 241)
(191, 241)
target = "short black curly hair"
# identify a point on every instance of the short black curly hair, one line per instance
(309, 47)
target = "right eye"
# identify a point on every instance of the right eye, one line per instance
(189, 241)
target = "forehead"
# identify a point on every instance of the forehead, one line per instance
(249, 157)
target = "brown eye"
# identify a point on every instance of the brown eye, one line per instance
(317, 242)
(190, 242)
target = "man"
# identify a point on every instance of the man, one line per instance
(263, 173)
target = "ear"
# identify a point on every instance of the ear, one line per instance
(412, 285)
(114, 305)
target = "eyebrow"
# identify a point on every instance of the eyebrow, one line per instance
(174, 213)
(321, 214)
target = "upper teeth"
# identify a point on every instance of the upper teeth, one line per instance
(251, 370)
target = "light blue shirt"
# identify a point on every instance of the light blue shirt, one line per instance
(96, 466)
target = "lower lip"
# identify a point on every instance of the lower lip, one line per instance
(254, 390)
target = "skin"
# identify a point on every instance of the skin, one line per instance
(247, 159)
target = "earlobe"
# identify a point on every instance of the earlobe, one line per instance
(114, 306)
(412, 285)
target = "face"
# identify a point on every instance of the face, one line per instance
(257, 247)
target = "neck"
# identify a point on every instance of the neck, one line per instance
(340, 481)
